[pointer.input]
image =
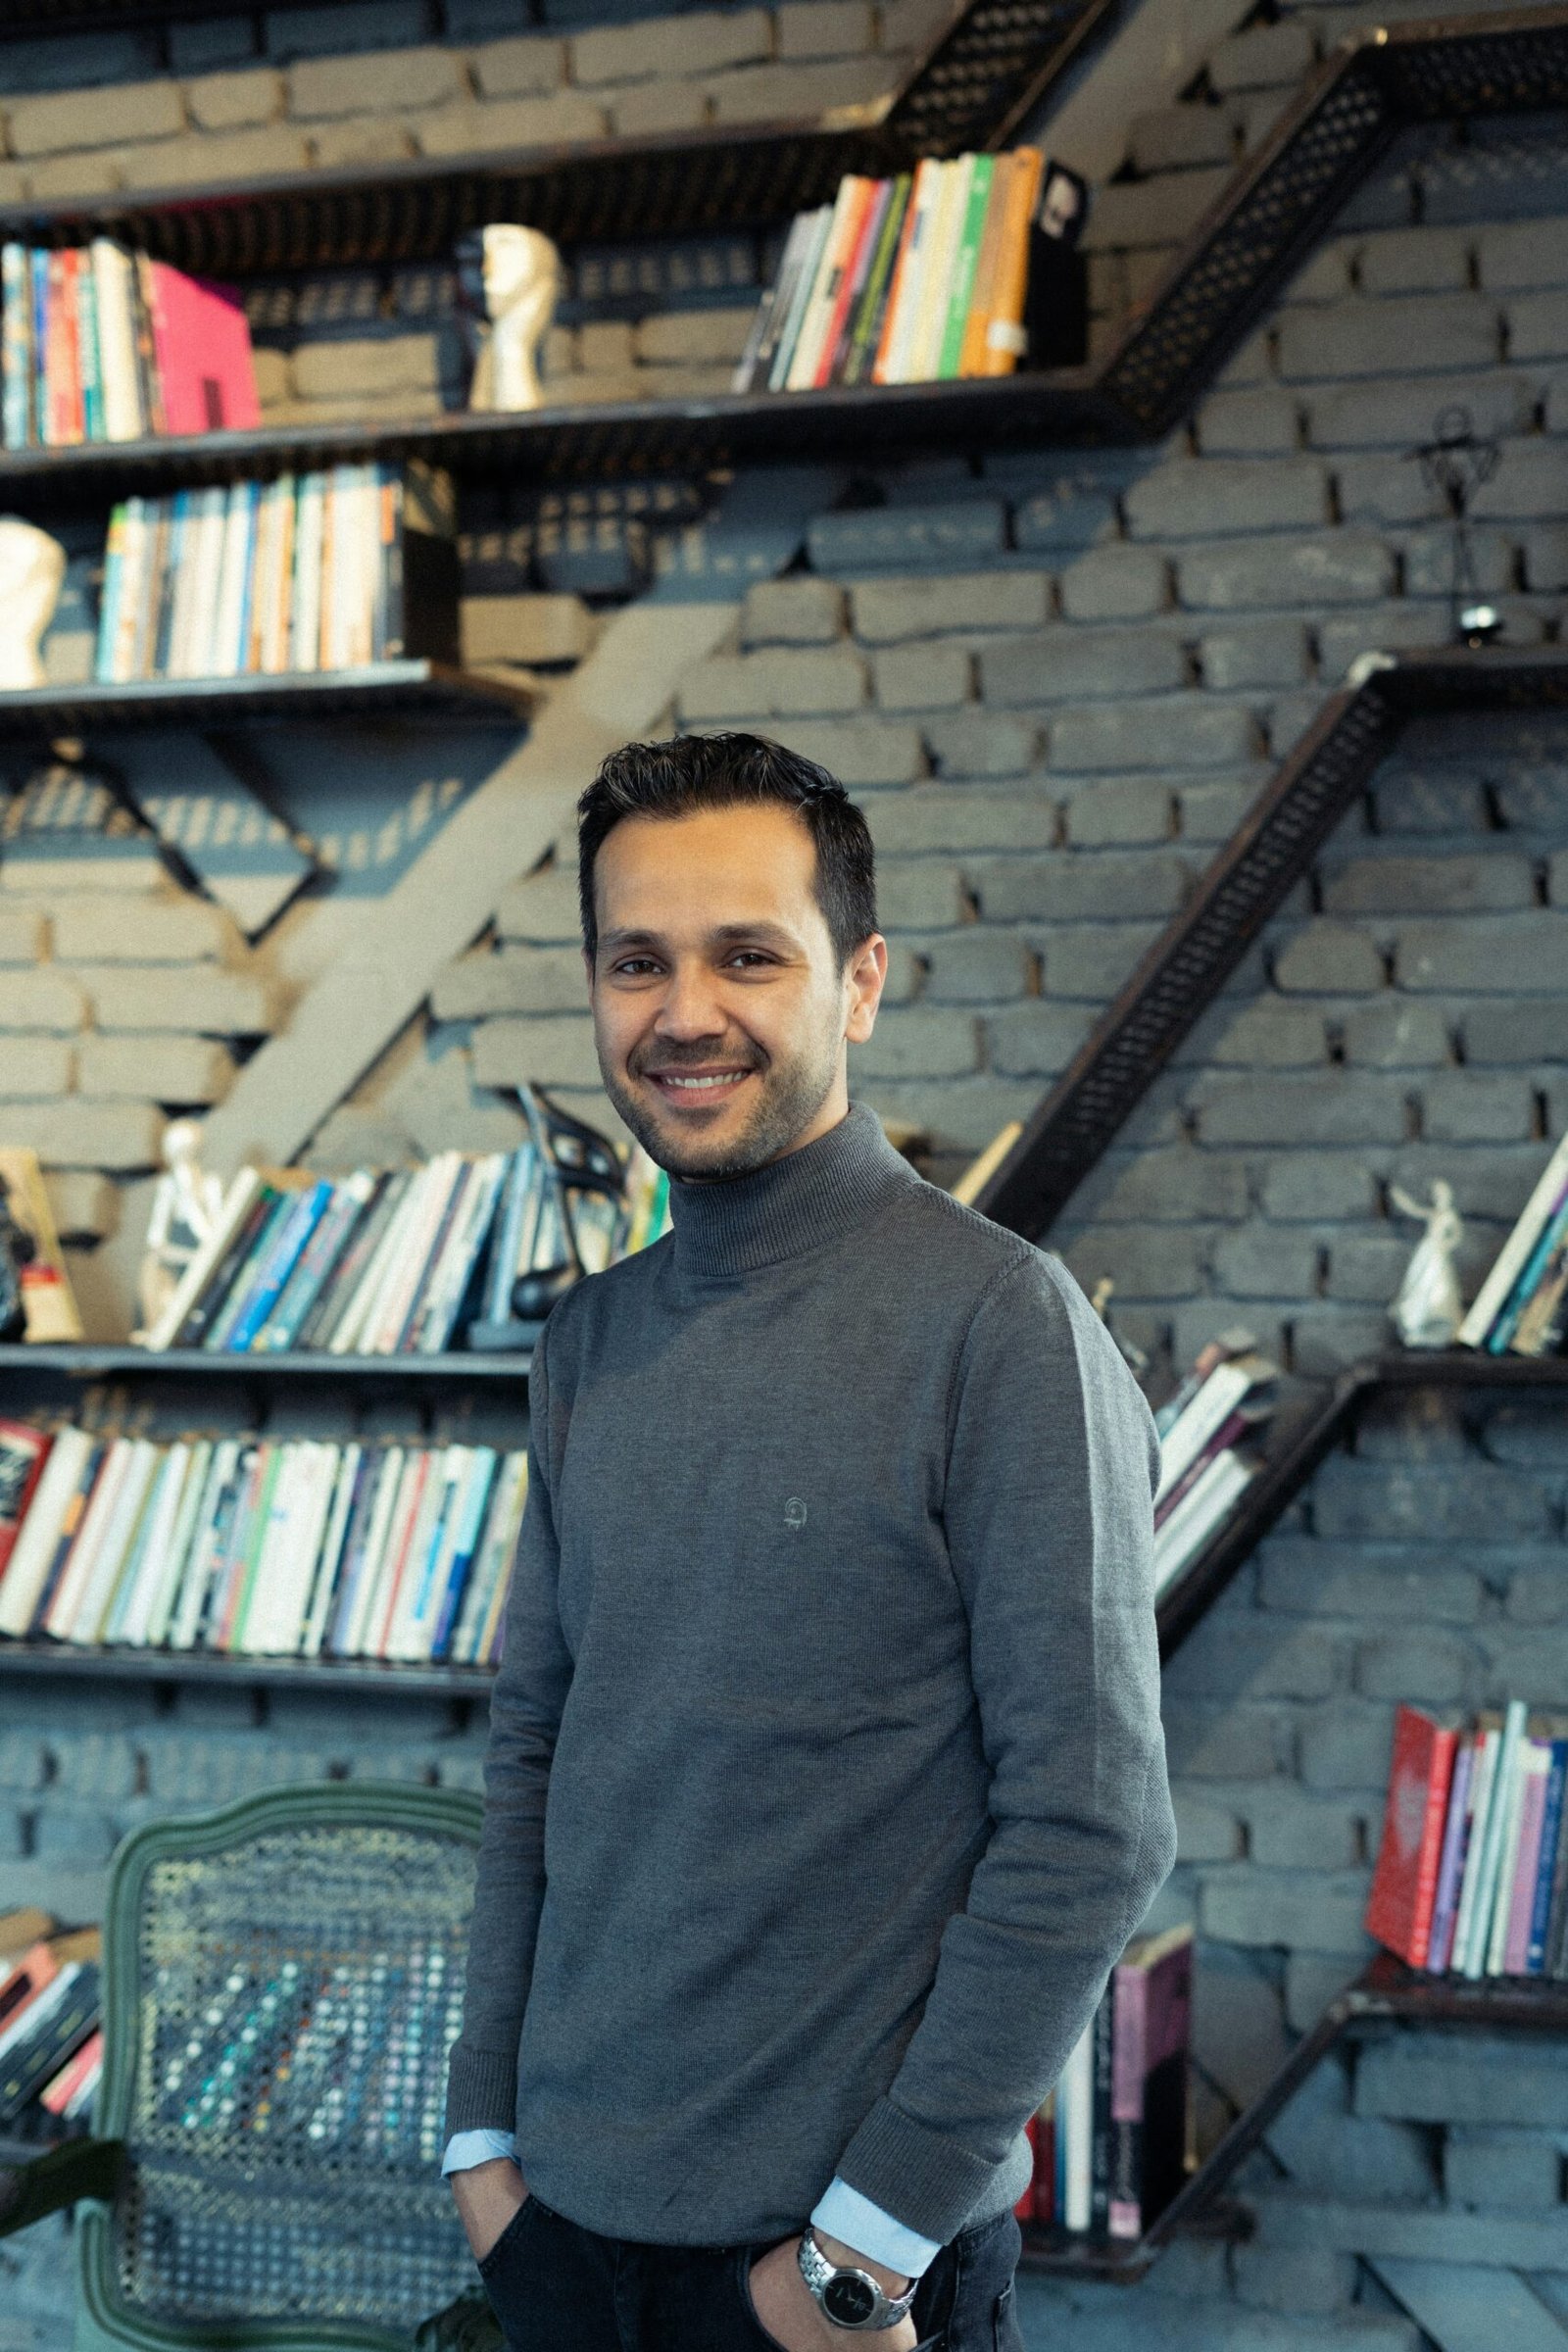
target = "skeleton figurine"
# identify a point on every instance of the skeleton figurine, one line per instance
(1426, 1310)
(184, 1211)
(33, 570)
(509, 281)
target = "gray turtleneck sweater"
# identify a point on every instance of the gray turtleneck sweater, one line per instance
(825, 1779)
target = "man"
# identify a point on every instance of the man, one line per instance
(825, 1778)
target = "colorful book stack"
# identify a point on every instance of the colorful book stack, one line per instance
(51, 2048)
(98, 344)
(326, 571)
(242, 1545)
(1522, 1308)
(1472, 1875)
(1110, 2141)
(900, 281)
(1223, 1400)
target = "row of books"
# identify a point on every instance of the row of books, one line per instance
(1472, 1874)
(900, 281)
(1522, 1306)
(302, 1548)
(326, 571)
(99, 344)
(51, 2044)
(1111, 2142)
(1205, 1430)
(409, 1261)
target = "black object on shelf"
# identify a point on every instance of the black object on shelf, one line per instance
(412, 689)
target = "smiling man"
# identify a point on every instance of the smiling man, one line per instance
(825, 1778)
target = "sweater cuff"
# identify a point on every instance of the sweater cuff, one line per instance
(929, 2181)
(481, 2091)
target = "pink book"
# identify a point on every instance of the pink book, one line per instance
(202, 343)
(1532, 1814)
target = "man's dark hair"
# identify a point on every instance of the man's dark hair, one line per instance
(727, 771)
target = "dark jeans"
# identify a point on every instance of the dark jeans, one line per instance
(558, 2287)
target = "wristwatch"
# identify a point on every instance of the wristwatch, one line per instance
(850, 2297)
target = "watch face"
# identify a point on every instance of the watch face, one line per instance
(848, 2299)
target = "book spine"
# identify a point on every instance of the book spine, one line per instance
(43, 421)
(1483, 1780)
(16, 346)
(1500, 1828)
(1101, 2134)
(1124, 2217)
(1521, 1892)
(309, 1208)
(1004, 328)
(1502, 1335)
(1494, 1291)
(965, 265)
(1443, 1749)
(89, 346)
(871, 316)
(1440, 1942)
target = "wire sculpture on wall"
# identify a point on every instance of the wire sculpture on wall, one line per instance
(1456, 463)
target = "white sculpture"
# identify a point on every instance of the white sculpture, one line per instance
(33, 570)
(186, 1208)
(1426, 1310)
(519, 284)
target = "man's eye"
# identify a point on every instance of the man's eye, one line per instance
(633, 966)
(750, 955)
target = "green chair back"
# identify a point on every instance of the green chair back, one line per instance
(282, 1984)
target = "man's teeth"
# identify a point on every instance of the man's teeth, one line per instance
(693, 1084)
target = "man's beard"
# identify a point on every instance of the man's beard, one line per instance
(790, 1093)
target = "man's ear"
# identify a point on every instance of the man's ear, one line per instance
(866, 977)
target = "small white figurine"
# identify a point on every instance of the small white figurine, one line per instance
(33, 570)
(186, 1208)
(1426, 1310)
(515, 274)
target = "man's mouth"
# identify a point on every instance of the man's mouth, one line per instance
(695, 1085)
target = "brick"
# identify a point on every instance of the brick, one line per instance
(232, 101)
(1194, 497)
(1377, 415)
(540, 908)
(796, 611)
(1414, 261)
(923, 677)
(1260, 1261)
(1187, 733)
(933, 816)
(502, 122)
(1532, 1433)
(1451, 885)
(1317, 1184)
(1263, 57)
(1120, 811)
(1473, 2079)
(1077, 512)
(1514, 254)
(1289, 1109)
(823, 28)
(206, 1002)
(531, 67)
(889, 611)
(1218, 1741)
(1265, 1032)
(1346, 1744)
(1538, 327)
(1340, 567)
(695, 337)
(1311, 1981)
(1211, 810)
(1491, 955)
(1366, 1268)
(1232, 1657)
(64, 121)
(919, 1041)
(784, 680)
(72, 1833)
(977, 966)
(1327, 957)
(982, 745)
(1509, 2171)
(785, 93)
(1545, 556)
(918, 895)
(1537, 1596)
(1466, 1501)
(1416, 334)
(1248, 422)
(196, 48)
(1404, 1584)
(1141, 213)
(1302, 2280)
(1326, 1339)
(1091, 959)
(1422, 1667)
(84, 1207)
(1073, 885)
(1116, 583)
(45, 1000)
(1413, 801)
(1163, 1265)
(534, 629)
(1064, 664)
(557, 1050)
(1207, 1830)
(1321, 2144)
(1173, 1184)
(1257, 653)
(1415, 1425)
(1034, 1039)
(96, 1135)
(1477, 1106)
(1179, 139)
(341, 25)
(22, 934)
(167, 1070)
(33, 1068)
(700, 41)
(1429, 560)
(386, 363)
(358, 141)
(1310, 1910)
(892, 538)
(1530, 485)
(1387, 629)
(110, 929)
(859, 752)
(1390, 1033)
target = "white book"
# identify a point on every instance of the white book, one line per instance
(127, 1620)
(136, 544)
(467, 1526)
(497, 1543)
(1493, 1295)
(780, 291)
(118, 373)
(232, 615)
(38, 1537)
(818, 312)
(283, 1496)
(1483, 1783)
(201, 564)
(389, 1489)
(1480, 1942)
(397, 1297)
(1208, 1500)
(1076, 2092)
(1508, 1856)
(98, 1588)
(432, 1534)
(1208, 1411)
(409, 1556)
(821, 225)
(348, 1333)
(191, 1600)
(37, 2012)
(329, 1558)
(304, 620)
(90, 1535)
(441, 1238)
(443, 1292)
(898, 339)
(278, 1622)
(242, 1190)
(942, 260)
(161, 1599)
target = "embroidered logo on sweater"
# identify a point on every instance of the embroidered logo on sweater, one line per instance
(793, 1512)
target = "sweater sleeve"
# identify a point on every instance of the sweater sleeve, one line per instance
(1051, 1470)
(525, 1708)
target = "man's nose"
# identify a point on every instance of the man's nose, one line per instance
(690, 1007)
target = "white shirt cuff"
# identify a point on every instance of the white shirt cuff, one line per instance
(466, 2149)
(842, 2212)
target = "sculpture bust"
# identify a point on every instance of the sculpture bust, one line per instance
(514, 275)
(33, 570)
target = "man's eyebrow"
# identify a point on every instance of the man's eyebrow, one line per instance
(615, 942)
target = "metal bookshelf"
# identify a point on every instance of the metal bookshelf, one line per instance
(413, 689)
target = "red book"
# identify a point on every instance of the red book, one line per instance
(1046, 2162)
(23, 1451)
(1404, 1886)
(201, 344)
(1024, 2210)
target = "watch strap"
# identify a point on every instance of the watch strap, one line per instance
(881, 2310)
